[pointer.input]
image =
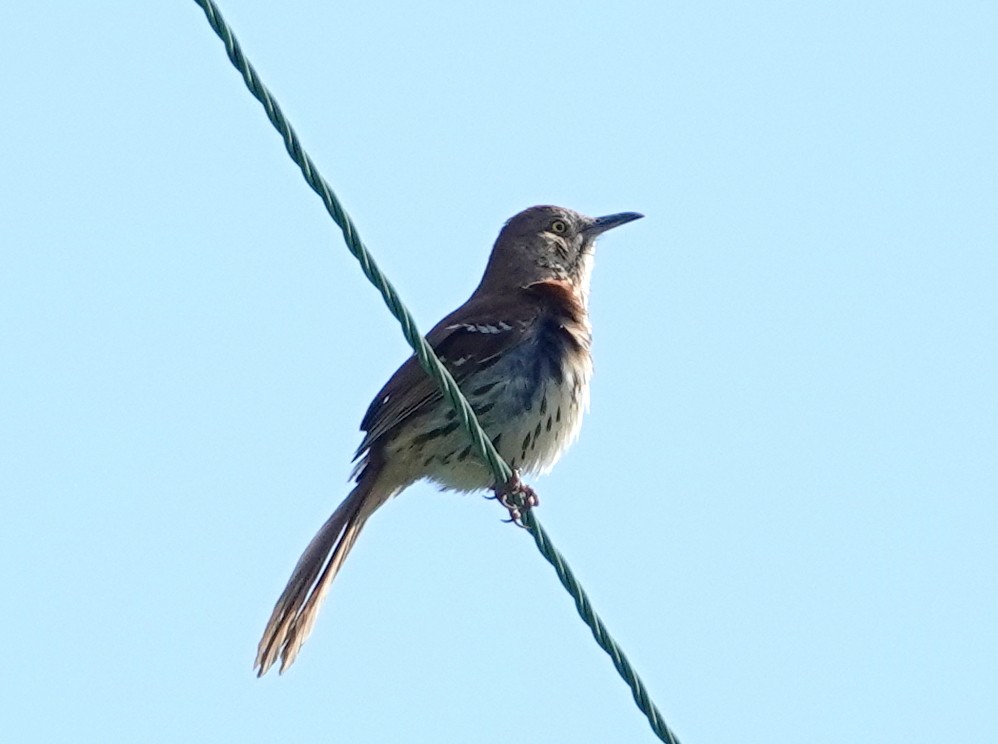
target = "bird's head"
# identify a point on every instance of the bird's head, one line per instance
(547, 242)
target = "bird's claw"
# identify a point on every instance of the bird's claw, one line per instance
(517, 497)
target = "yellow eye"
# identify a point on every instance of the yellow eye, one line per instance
(559, 227)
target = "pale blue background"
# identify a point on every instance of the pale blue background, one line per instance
(783, 502)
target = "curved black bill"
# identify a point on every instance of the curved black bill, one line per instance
(602, 224)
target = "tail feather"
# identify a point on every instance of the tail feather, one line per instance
(294, 614)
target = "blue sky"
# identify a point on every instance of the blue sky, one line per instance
(783, 502)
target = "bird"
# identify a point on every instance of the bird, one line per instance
(519, 348)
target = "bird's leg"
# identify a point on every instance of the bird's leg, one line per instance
(517, 497)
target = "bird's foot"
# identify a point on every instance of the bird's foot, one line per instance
(517, 497)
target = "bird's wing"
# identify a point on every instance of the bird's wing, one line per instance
(470, 339)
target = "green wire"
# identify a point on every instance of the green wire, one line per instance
(429, 361)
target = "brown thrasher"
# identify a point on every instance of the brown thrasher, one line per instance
(518, 348)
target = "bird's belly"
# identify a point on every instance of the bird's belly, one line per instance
(539, 435)
(531, 420)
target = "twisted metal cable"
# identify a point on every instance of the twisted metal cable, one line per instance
(599, 631)
(429, 362)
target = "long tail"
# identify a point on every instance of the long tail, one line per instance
(298, 606)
